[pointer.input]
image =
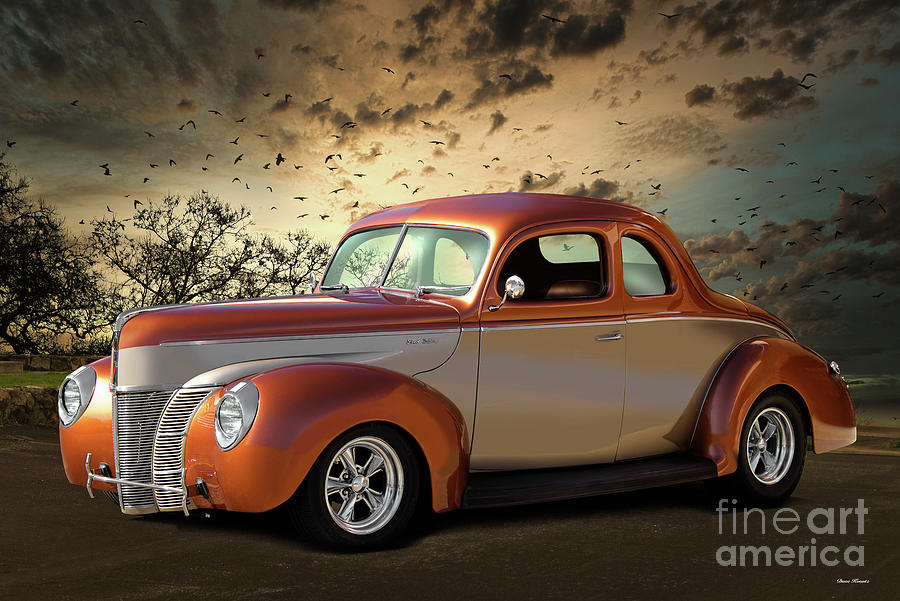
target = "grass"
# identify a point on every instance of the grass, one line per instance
(33, 378)
(893, 443)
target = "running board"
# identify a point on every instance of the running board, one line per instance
(520, 487)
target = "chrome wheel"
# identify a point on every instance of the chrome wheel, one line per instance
(364, 485)
(770, 445)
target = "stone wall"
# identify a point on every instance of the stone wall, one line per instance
(34, 405)
(64, 363)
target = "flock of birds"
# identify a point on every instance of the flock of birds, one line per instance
(334, 164)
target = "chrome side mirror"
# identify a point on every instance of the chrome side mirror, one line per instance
(515, 288)
(312, 282)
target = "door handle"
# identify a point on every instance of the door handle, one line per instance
(611, 336)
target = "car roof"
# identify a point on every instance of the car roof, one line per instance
(505, 213)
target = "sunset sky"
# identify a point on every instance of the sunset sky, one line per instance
(709, 100)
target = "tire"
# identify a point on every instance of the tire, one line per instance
(373, 482)
(771, 454)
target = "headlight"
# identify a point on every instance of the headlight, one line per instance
(235, 413)
(75, 394)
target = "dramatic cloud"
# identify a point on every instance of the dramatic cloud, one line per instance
(497, 121)
(758, 96)
(886, 56)
(523, 78)
(700, 95)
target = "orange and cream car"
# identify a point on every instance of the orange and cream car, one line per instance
(461, 352)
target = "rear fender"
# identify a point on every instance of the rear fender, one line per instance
(760, 365)
(302, 408)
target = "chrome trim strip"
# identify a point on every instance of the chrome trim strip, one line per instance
(702, 318)
(580, 324)
(308, 337)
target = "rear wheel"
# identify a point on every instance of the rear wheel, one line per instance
(771, 455)
(361, 492)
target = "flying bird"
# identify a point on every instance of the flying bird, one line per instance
(137, 202)
(505, 76)
(279, 159)
(331, 156)
(620, 122)
(209, 156)
(336, 190)
(239, 157)
(172, 163)
(188, 122)
(386, 111)
(241, 120)
(146, 179)
(656, 187)
(553, 19)
(263, 135)
(153, 165)
(802, 79)
(805, 87)
(301, 198)
(235, 141)
(10, 143)
(669, 16)
(74, 102)
(266, 166)
(818, 180)
(323, 217)
(214, 112)
(790, 163)
(349, 125)
(287, 98)
(436, 142)
(426, 123)
(742, 169)
(388, 70)
(302, 216)
(269, 188)
(663, 212)
(259, 55)
(267, 94)
(149, 135)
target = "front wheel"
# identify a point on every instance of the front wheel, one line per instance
(771, 455)
(361, 492)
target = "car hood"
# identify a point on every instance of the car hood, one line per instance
(165, 347)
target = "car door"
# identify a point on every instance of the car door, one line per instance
(551, 373)
(674, 347)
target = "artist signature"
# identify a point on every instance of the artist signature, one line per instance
(852, 581)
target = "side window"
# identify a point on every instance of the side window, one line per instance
(558, 266)
(642, 272)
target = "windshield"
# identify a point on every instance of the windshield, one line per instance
(437, 259)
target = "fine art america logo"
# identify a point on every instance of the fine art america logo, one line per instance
(821, 521)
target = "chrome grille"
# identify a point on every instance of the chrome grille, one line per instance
(168, 450)
(136, 415)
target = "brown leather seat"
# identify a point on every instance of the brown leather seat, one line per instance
(574, 289)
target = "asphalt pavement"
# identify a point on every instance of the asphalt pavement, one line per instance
(56, 543)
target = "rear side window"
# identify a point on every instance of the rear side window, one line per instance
(642, 272)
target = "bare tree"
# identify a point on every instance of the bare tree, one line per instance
(49, 283)
(183, 250)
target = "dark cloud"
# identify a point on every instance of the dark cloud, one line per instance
(837, 63)
(886, 56)
(443, 98)
(525, 78)
(794, 29)
(293, 4)
(732, 45)
(497, 121)
(599, 188)
(759, 96)
(657, 56)
(700, 95)
(532, 182)
(513, 25)
(868, 81)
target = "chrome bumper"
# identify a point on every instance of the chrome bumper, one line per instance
(91, 476)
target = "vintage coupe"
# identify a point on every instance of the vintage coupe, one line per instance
(460, 352)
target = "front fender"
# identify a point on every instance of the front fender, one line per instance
(753, 368)
(91, 433)
(302, 408)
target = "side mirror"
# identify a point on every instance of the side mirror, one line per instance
(312, 282)
(515, 288)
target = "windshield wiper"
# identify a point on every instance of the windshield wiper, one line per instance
(422, 290)
(342, 287)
